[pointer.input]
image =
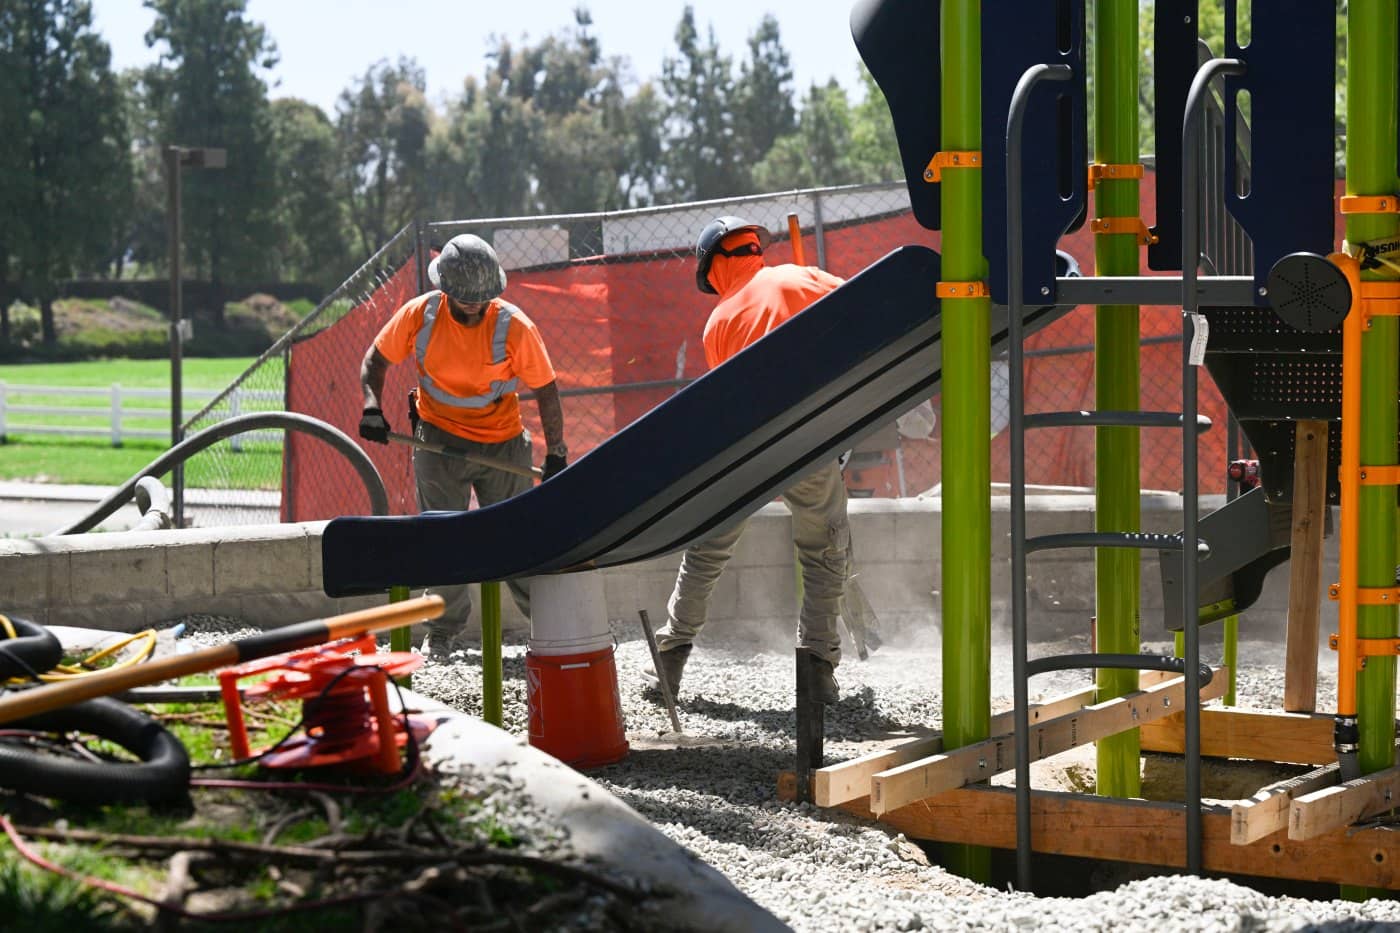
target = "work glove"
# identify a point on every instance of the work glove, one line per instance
(373, 427)
(553, 463)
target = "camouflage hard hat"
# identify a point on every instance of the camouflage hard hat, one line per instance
(467, 270)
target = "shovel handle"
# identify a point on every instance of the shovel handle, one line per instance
(481, 459)
(18, 704)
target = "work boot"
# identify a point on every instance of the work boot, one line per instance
(437, 645)
(672, 666)
(828, 690)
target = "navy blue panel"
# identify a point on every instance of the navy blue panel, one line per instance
(1291, 79)
(710, 455)
(898, 41)
(1033, 32)
(1174, 57)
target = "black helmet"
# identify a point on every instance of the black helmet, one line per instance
(708, 245)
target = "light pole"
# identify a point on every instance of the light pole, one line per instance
(177, 158)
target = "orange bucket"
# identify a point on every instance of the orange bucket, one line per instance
(575, 710)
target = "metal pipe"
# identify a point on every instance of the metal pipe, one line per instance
(174, 234)
(491, 683)
(966, 452)
(1117, 379)
(153, 500)
(1372, 28)
(1190, 594)
(292, 421)
(1015, 274)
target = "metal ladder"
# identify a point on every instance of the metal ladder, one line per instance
(1188, 421)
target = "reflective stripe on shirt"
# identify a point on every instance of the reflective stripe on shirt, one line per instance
(499, 387)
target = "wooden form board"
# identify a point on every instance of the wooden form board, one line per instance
(1305, 566)
(926, 777)
(1138, 831)
(1267, 811)
(1291, 738)
(1336, 808)
(849, 780)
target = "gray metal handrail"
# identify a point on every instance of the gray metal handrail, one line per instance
(1190, 306)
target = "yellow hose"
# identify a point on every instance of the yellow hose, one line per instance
(84, 667)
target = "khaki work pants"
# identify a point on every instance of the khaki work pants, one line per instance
(445, 483)
(822, 533)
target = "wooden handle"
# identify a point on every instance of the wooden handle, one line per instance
(795, 235)
(492, 462)
(29, 702)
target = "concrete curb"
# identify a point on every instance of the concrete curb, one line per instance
(686, 893)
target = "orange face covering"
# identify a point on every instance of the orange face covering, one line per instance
(730, 273)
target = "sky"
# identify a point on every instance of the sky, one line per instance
(326, 44)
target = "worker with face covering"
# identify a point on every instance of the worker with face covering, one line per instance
(754, 299)
(473, 351)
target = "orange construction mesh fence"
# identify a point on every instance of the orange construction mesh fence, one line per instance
(614, 297)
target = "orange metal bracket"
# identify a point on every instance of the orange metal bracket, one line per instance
(1115, 225)
(1111, 172)
(1379, 476)
(1369, 595)
(1369, 648)
(965, 158)
(1379, 299)
(1368, 204)
(946, 290)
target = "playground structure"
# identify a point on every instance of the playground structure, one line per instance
(1299, 344)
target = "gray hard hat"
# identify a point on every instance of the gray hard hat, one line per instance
(467, 270)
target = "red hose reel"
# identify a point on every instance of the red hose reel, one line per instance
(345, 705)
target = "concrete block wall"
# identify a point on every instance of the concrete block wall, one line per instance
(270, 575)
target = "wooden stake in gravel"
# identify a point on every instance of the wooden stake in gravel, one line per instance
(32, 701)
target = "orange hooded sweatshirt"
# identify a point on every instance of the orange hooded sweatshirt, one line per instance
(754, 298)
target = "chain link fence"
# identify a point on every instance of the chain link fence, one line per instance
(615, 299)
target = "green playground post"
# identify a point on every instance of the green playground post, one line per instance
(491, 679)
(1370, 170)
(1116, 376)
(1232, 656)
(401, 639)
(966, 457)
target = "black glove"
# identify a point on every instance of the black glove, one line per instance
(553, 463)
(373, 427)
(413, 412)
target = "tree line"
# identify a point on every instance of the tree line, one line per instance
(553, 126)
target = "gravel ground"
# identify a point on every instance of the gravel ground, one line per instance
(825, 871)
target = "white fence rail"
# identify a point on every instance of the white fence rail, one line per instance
(119, 408)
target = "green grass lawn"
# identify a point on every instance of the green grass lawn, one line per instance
(56, 458)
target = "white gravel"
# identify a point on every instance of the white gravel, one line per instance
(824, 871)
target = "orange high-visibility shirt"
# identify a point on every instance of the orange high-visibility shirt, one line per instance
(468, 376)
(772, 296)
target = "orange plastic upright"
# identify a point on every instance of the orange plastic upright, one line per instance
(575, 710)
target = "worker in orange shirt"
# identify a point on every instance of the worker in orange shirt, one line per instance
(754, 299)
(473, 351)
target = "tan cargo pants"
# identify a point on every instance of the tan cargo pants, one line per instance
(822, 533)
(446, 483)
